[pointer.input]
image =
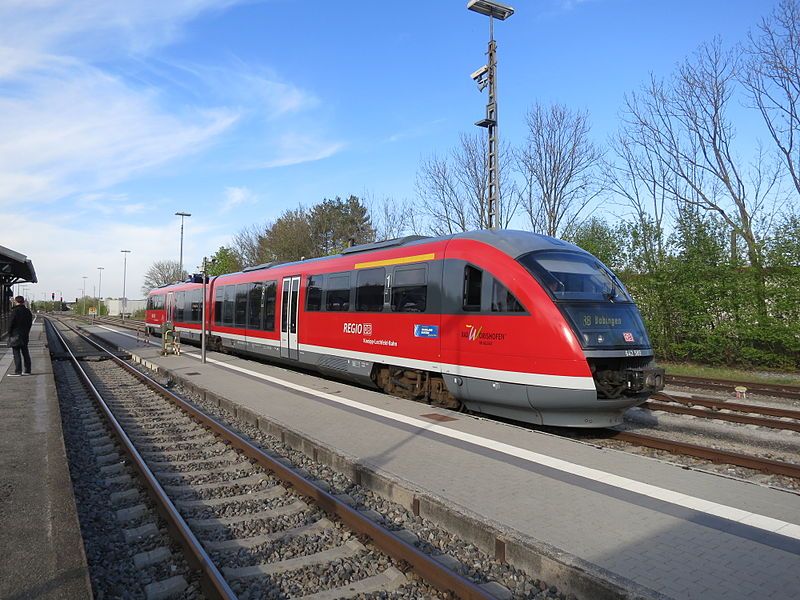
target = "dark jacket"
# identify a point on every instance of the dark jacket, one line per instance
(20, 323)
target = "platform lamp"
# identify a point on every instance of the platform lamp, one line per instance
(124, 276)
(99, 289)
(181, 215)
(487, 76)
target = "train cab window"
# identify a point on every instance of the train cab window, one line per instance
(314, 293)
(149, 303)
(473, 278)
(369, 290)
(337, 293)
(255, 306)
(219, 298)
(270, 290)
(409, 290)
(503, 300)
(228, 305)
(240, 317)
(158, 302)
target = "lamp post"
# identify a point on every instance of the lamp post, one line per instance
(84, 294)
(124, 276)
(99, 289)
(487, 76)
(181, 215)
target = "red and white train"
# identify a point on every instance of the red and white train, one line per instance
(507, 323)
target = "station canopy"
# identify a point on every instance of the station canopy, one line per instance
(15, 268)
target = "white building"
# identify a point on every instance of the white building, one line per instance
(114, 306)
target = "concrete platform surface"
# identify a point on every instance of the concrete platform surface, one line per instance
(42, 550)
(561, 506)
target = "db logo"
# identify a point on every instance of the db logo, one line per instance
(627, 336)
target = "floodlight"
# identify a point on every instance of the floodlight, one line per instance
(479, 73)
(490, 9)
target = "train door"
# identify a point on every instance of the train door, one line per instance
(170, 307)
(290, 308)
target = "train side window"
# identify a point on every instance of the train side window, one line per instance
(228, 306)
(270, 290)
(337, 292)
(254, 310)
(240, 318)
(219, 298)
(473, 278)
(409, 290)
(503, 300)
(369, 290)
(314, 293)
(180, 300)
(197, 306)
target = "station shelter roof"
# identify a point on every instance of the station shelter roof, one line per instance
(15, 267)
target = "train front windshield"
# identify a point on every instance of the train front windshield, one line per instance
(595, 302)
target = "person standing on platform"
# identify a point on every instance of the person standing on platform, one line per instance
(19, 329)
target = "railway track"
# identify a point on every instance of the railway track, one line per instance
(735, 412)
(778, 390)
(747, 461)
(250, 524)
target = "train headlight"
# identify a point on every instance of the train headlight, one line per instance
(600, 339)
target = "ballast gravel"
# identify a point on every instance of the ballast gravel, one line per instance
(110, 558)
(475, 564)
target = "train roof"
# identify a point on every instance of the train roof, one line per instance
(513, 242)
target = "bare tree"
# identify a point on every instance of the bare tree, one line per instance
(558, 165)
(687, 127)
(392, 218)
(453, 190)
(637, 177)
(249, 244)
(162, 272)
(771, 76)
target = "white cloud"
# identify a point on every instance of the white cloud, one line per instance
(294, 149)
(237, 196)
(64, 249)
(69, 127)
(111, 25)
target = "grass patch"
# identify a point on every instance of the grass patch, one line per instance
(729, 373)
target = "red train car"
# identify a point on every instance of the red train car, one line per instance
(506, 323)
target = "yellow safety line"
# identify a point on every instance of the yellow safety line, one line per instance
(396, 261)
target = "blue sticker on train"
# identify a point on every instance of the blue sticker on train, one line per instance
(426, 331)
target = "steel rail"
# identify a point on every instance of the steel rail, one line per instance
(425, 566)
(215, 584)
(769, 389)
(771, 411)
(765, 465)
(718, 416)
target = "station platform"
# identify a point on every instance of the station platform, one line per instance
(598, 523)
(42, 550)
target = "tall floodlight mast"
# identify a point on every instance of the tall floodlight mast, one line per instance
(487, 76)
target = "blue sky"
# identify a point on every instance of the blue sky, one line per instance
(115, 115)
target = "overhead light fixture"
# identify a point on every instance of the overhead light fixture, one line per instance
(490, 9)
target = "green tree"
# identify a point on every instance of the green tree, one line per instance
(289, 237)
(224, 260)
(602, 240)
(335, 223)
